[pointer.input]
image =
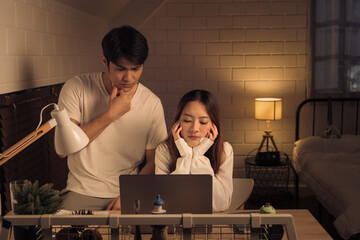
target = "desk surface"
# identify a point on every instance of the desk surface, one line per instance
(307, 227)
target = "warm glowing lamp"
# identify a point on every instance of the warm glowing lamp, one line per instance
(69, 138)
(267, 109)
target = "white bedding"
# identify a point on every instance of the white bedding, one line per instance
(331, 167)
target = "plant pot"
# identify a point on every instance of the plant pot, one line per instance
(27, 233)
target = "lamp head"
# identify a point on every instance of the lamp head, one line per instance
(268, 108)
(69, 138)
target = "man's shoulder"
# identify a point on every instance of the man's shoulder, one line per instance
(84, 80)
(86, 77)
(147, 94)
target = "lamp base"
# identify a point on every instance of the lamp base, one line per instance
(268, 158)
(266, 138)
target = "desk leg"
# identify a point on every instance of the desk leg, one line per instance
(47, 233)
(114, 233)
(296, 189)
(255, 233)
(187, 234)
(5, 230)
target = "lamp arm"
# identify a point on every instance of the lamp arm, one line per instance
(26, 141)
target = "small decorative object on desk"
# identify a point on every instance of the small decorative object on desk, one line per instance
(28, 198)
(82, 212)
(267, 209)
(159, 232)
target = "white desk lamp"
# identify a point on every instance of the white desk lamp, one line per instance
(69, 138)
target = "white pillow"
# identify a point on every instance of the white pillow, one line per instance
(347, 143)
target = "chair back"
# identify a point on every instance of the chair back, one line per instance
(242, 188)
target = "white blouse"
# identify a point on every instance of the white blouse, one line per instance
(193, 161)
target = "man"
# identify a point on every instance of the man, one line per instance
(123, 119)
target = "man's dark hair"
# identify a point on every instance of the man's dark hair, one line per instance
(125, 42)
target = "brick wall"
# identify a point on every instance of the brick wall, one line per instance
(43, 42)
(238, 50)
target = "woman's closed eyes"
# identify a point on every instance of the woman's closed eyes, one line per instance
(201, 122)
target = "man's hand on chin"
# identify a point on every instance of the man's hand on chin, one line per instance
(114, 205)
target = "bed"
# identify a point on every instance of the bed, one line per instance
(326, 157)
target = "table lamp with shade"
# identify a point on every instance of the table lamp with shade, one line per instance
(69, 138)
(268, 109)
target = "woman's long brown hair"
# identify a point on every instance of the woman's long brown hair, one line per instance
(216, 152)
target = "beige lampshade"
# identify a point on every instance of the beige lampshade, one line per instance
(268, 108)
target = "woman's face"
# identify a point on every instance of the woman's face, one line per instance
(195, 123)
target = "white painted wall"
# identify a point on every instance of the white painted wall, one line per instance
(43, 42)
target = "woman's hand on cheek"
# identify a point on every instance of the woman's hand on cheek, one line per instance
(213, 133)
(175, 130)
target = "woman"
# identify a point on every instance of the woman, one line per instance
(195, 146)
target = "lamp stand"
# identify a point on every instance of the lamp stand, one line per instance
(26, 141)
(266, 138)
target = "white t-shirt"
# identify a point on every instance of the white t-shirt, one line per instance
(193, 161)
(119, 149)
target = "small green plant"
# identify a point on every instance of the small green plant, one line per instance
(34, 200)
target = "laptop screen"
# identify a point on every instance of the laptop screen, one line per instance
(181, 193)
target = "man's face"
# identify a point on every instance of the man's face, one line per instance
(124, 75)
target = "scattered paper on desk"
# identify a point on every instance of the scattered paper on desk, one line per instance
(101, 212)
(63, 212)
(67, 212)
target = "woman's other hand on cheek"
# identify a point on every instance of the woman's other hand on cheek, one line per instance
(175, 130)
(213, 133)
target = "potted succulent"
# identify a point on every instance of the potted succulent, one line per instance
(34, 200)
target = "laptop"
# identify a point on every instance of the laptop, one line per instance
(181, 194)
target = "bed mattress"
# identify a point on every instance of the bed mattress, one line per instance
(331, 168)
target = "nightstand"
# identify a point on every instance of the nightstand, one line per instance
(271, 180)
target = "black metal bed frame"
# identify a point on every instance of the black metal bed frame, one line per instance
(330, 113)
